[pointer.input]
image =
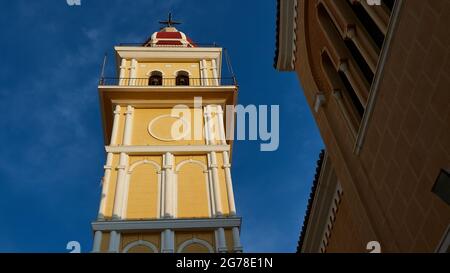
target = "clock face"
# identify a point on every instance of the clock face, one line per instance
(168, 128)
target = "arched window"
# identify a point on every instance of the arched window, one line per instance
(182, 78)
(155, 78)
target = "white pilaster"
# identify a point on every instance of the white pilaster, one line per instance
(115, 128)
(123, 67)
(222, 243)
(237, 246)
(108, 166)
(214, 70)
(230, 192)
(114, 242)
(226, 163)
(105, 186)
(128, 125)
(120, 186)
(216, 187)
(123, 163)
(168, 189)
(205, 72)
(168, 241)
(202, 74)
(97, 241)
(133, 72)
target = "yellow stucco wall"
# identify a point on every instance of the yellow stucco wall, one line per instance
(192, 187)
(104, 246)
(144, 187)
(161, 129)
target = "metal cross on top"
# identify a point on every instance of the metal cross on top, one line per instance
(169, 22)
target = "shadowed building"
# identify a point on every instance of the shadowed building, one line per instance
(167, 185)
(376, 78)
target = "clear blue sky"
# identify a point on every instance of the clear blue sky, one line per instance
(52, 154)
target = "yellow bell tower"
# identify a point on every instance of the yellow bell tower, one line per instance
(167, 185)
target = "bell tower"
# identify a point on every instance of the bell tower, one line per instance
(167, 185)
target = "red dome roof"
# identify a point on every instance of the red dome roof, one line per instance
(169, 37)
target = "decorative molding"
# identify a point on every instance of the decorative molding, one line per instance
(286, 40)
(195, 241)
(145, 161)
(184, 162)
(162, 224)
(139, 243)
(152, 133)
(331, 217)
(174, 149)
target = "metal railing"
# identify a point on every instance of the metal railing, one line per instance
(162, 45)
(170, 82)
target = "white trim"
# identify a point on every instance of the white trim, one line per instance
(115, 127)
(119, 194)
(216, 186)
(169, 187)
(144, 161)
(185, 125)
(373, 94)
(174, 149)
(195, 241)
(145, 225)
(187, 161)
(140, 243)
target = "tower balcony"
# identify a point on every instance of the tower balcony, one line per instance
(158, 82)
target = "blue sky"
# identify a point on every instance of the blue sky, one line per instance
(52, 153)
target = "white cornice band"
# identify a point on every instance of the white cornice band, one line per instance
(163, 224)
(175, 149)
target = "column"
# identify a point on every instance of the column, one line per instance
(133, 72)
(214, 70)
(215, 178)
(123, 67)
(205, 72)
(114, 242)
(97, 241)
(168, 189)
(212, 164)
(237, 247)
(123, 162)
(168, 241)
(222, 243)
(226, 163)
(202, 74)
(108, 167)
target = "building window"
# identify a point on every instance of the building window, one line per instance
(371, 27)
(155, 78)
(182, 78)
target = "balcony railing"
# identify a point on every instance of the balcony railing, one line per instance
(168, 82)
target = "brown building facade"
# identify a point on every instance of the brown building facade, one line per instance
(377, 79)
